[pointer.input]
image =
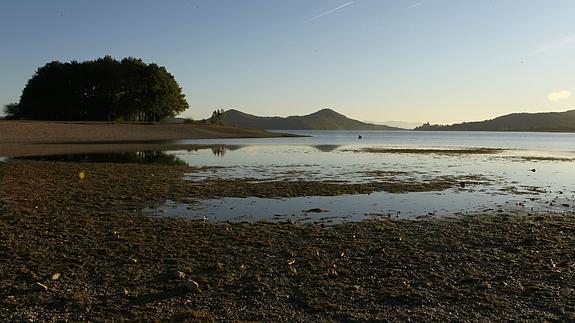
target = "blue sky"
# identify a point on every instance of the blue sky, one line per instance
(442, 61)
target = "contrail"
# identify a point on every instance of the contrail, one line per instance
(330, 11)
(415, 5)
(555, 45)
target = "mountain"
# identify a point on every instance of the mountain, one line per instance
(398, 124)
(545, 121)
(325, 119)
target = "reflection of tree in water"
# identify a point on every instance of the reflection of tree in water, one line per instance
(326, 148)
(219, 150)
(138, 157)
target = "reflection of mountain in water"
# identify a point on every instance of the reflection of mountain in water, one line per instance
(326, 148)
(140, 157)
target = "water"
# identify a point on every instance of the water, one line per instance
(419, 139)
(534, 173)
(509, 183)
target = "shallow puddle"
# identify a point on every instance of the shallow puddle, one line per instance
(344, 208)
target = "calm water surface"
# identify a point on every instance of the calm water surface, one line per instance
(534, 173)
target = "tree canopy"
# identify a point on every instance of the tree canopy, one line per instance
(101, 90)
(217, 117)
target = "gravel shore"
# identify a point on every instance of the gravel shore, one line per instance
(81, 249)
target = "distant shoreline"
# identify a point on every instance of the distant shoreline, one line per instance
(28, 138)
(510, 130)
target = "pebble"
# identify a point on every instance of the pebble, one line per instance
(180, 275)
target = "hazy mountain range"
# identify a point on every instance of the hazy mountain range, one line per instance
(543, 122)
(397, 124)
(325, 119)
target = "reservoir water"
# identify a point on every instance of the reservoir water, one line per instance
(498, 172)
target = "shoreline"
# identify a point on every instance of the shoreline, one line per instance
(34, 138)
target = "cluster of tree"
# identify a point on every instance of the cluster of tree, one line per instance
(217, 117)
(103, 90)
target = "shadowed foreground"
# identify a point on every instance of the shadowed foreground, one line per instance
(113, 262)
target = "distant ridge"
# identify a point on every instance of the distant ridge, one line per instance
(398, 124)
(537, 122)
(324, 119)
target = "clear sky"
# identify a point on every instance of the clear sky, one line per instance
(442, 61)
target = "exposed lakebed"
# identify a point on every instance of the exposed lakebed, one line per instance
(111, 260)
(338, 179)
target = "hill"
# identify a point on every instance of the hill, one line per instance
(542, 122)
(325, 119)
(397, 124)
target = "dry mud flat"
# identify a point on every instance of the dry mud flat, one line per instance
(82, 250)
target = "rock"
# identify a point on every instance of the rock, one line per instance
(192, 285)
(180, 275)
(56, 276)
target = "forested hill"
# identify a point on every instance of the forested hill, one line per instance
(325, 119)
(548, 121)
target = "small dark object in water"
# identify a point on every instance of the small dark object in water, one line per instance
(316, 210)
(532, 170)
(359, 137)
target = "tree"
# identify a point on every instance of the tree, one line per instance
(103, 89)
(11, 110)
(217, 117)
